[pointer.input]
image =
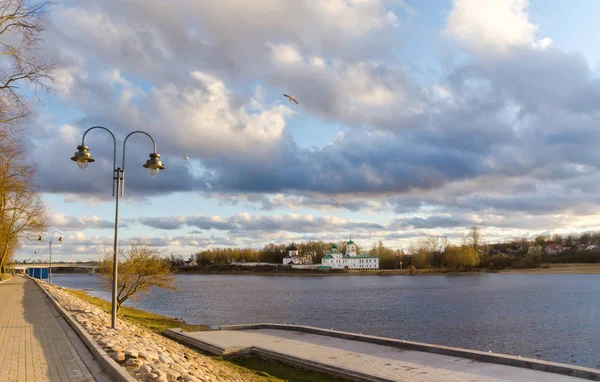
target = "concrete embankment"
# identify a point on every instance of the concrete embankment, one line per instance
(369, 358)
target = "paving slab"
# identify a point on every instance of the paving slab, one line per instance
(36, 344)
(385, 362)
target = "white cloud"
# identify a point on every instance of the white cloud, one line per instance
(490, 26)
(285, 54)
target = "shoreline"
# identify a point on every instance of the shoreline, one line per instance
(566, 268)
(559, 269)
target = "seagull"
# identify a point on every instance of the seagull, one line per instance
(291, 98)
(186, 157)
(336, 202)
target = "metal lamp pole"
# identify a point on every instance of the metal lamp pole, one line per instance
(50, 241)
(154, 165)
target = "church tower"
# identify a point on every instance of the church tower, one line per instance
(292, 250)
(350, 248)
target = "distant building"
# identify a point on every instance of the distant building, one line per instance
(351, 260)
(190, 263)
(552, 249)
(293, 258)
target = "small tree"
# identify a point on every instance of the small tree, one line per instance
(140, 269)
(460, 257)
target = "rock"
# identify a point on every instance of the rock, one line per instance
(190, 378)
(146, 369)
(118, 356)
(165, 359)
(133, 362)
(131, 353)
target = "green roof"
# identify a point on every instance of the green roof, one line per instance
(350, 242)
(323, 267)
(328, 256)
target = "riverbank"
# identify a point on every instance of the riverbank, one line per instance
(238, 270)
(137, 323)
(154, 322)
(262, 270)
(565, 269)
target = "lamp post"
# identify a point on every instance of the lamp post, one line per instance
(50, 236)
(154, 165)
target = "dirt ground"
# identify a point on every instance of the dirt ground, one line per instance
(560, 269)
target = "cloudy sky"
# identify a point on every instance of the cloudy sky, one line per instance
(421, 117)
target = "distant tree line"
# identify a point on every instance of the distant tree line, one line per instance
(431, 252)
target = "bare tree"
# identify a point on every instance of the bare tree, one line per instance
(474, 238)
(22, 212)
(140, 268)
(21, 26)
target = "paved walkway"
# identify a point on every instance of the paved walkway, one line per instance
(382, 361)
(36, 344)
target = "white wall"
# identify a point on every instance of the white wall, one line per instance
(371, 263)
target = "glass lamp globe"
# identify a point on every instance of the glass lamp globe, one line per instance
(153, 171)
(82, 164)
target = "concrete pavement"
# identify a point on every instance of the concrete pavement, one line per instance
(384, 362)
(36, 344)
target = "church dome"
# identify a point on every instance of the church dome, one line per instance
(350, 242)
(292, 247)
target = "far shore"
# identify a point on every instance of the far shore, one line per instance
(557, 269)
(591, 268)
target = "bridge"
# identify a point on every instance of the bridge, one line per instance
(24, 268)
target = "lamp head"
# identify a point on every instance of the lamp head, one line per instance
(154, 165)
(60, 238)
(40, 238)
(82, 157)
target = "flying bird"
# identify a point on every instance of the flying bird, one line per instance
(336, 202)
(186, 157)
(291, 98)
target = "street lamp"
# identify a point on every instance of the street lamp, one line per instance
(50, 237)
(83, 157)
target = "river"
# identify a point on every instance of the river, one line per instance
(552, 317)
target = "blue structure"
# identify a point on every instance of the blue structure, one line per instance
(38, 273)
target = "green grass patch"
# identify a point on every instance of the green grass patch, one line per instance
(263, 370)
(152, 321)
(4, 276)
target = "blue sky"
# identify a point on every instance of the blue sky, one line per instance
(421, 117)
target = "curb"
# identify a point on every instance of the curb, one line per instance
(109, 365)
(3, 281)
(502, 359)
(177, 335)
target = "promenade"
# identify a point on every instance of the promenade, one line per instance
(376, 362)
(36, 344)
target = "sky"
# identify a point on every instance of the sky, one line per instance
(420, 117)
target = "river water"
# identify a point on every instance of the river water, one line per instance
(552, 317)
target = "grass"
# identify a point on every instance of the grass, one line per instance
(152, 321)
(573, 268)
(4, 276)
(262, 370)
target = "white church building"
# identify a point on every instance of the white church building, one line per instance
(293, 258)
(351, 260)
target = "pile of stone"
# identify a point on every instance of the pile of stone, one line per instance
(146, 355)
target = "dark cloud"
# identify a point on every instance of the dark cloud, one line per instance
(245, 223)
